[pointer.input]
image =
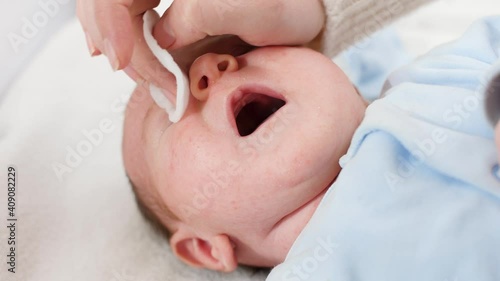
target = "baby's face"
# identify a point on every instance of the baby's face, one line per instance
(255, 152)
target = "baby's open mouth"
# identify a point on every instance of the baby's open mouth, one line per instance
(252, 109)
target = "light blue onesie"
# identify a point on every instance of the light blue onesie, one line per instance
(417, 198)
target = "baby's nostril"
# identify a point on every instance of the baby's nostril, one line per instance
(203, 83)
(222, 66)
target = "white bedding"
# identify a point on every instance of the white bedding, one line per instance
(81, 223)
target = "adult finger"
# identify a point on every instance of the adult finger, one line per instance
(145, 67)
(178, 27)
(189, 21)
(108, 25)
(257, 22)
(81, 11)
(114, 27)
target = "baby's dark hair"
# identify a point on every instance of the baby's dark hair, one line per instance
(152, 218)
(149, 215)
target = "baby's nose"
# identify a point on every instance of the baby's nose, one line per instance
(207, 70)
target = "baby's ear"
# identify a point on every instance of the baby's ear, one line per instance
(217, 253)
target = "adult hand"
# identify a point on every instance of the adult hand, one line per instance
(108, 26)
(257, 22)
(115, 28)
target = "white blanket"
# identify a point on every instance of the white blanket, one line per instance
(61, 126)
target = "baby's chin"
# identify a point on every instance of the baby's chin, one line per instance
(303, 214)
(290, 227)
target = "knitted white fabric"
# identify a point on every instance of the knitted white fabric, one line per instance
(349, 21)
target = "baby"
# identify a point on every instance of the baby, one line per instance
(251, 173)
(238, 178)
(278, 162)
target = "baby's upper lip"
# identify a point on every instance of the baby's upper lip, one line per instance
(247, 94)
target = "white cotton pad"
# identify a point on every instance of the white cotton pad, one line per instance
(175, 112)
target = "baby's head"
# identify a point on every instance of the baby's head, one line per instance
(240, 175)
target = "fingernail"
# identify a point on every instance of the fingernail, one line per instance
(168, 36)
(111, 54)
(90, 44)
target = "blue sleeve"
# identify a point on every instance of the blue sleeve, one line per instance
(416, 199)
(448, 85)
